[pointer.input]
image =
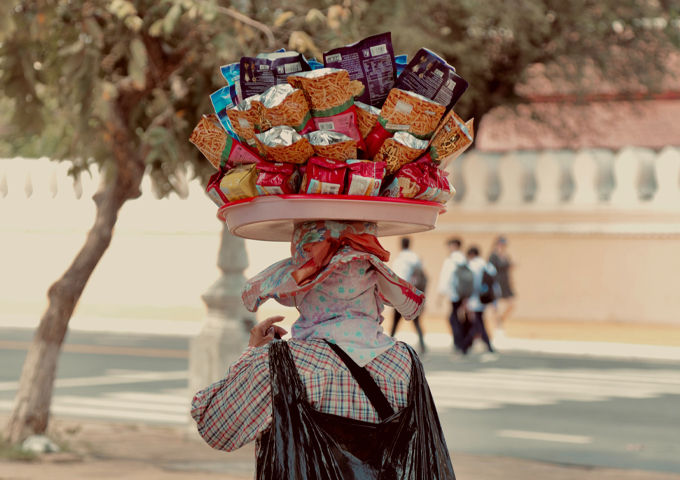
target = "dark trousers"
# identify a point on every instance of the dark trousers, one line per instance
(416, 322)
(459, 329)
(477, 328)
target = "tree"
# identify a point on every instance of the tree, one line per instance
(122, 83)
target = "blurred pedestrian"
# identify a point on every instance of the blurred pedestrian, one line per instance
(407, 265)
(449, 288)
(482, 295)
(505, 297)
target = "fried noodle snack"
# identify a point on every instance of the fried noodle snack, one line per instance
(283, 145)
(450, 140)
(285, 105)
(245, 119)
(399, 150)
(333, 145)
(330, 94)
(218, 147)
(367, 117)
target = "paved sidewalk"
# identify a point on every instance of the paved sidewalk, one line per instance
(124, 452)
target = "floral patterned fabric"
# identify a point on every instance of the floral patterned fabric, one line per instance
(343, 304)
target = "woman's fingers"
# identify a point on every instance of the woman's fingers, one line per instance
(280, 330)
(267, 323)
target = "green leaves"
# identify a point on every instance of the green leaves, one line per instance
(171, 18)
(137, 64)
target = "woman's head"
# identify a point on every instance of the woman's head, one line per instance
(501, 244)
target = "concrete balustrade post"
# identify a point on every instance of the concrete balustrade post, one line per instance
(492, 185)
(585, 173)
(511, 175)
(625, 168)
(668, 173)
(528, 184)
(474, 171)
(547, 172)
(605, 182)
(646, 177)
(226, 325)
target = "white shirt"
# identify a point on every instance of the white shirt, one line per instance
(404, 264)
(478, 265)
(447, 277)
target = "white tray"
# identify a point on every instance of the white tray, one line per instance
(274, 217)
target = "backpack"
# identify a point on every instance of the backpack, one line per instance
(418, 278)
(486, 291)
(465, 281)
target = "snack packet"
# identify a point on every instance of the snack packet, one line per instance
(314, 64)
(330, 94)
(399, 150)
(277, 179)
(401, 62)
(333, 145)
(367, 116)
(218, 147)
(258, 74)
(213, 189)
(285, 105)
(232, 74)
(429, 75)
(364, 177)
(451, 139)
(324, 176)
(404, 112)
(222, 102)
(447, 190)
(371, 61)
(430, 183)
(406, 183)
(239, 183)
(245, 119)
(283, 145)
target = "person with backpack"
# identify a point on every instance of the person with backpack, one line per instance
(407, 265)
(455, 283)
(482, 295)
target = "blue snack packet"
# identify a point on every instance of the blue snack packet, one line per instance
(401, 61)
(314, 64)
(371, 61)
(222, 102)
(258, 74)
(231, 74)
(430, 76)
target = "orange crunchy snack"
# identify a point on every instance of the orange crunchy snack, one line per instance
(399, 150)
(210, 138)
(246, 118)
(410, 112)
(367, 116)
(284, 145)
(326, 88)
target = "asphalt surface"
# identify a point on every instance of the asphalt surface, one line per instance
(565, 410)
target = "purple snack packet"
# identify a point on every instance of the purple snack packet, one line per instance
(429, 75)
(258, 74)
(371, 61)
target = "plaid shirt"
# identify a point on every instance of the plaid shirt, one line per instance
(237, 409)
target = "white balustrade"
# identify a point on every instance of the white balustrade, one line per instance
(625, 168)
(474, 170)
(668, 174)
(548, 174)
(585, 173)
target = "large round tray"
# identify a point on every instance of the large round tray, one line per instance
(273, 217)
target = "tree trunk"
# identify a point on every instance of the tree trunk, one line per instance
(30, 413)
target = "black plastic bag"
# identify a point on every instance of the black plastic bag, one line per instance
(306, 444)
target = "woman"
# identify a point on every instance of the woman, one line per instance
(306, 402)
(505, 299)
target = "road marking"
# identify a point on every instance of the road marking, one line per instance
(544, 437)
(492, 388)
(142, 377)
(167, 408)
(104, 350)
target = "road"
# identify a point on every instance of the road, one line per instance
(565, 410)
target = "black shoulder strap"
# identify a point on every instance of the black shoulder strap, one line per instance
(367, 384)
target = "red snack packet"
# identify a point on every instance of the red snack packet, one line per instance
(430, 183)
(277, 179)
(213, 188)
(364, 177)
(325, 176)
(406, 183)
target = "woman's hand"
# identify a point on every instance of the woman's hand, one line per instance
(263, 332)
